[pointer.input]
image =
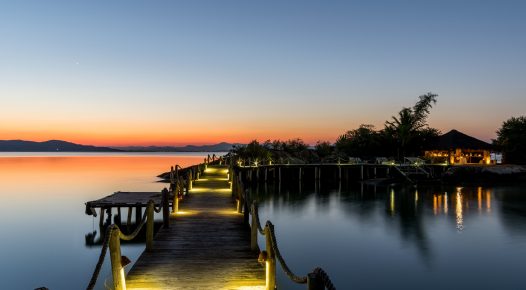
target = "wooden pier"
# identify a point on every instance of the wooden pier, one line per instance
(207, 245)
(209, 242)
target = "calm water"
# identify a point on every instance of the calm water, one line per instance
(433, 238)
(42, 221)
(402, 238)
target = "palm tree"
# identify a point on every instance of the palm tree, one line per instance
(410, 122)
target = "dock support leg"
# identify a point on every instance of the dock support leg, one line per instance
(129, 219)
(101, 221)
(149, 226)
(117, 219)
(175, 202)
(138, 215)
(361, 172)
(166, 213)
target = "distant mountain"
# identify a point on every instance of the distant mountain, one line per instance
(220, 147)
(49, 146)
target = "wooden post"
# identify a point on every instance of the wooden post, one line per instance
(266, 173)
(279, 174)
(190, 182)
(374, 172)
(128, 220)
(314, 283)
(101, 221)
(339, 172)
(117, 271)
(316, 173)
(149, 225)
(253, 230)
(117, 219)
(361, 172)
(175, 202)
(271, 261)
(108, 212)
(166, 213)
(299, 174)
(138, 215)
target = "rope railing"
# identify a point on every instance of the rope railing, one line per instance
(113, 234)
(112, 238)
(318, 279)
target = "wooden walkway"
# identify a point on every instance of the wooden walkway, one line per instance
(206, 247)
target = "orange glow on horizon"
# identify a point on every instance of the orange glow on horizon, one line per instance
(134, 133)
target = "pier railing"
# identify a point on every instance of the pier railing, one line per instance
(318, 279)
(114, 235)
(112, 240)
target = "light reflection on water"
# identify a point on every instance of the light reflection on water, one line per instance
(402, 238)
(42, 220)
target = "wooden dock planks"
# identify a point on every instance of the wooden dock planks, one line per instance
(206, 247)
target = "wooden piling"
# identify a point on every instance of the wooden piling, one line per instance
(101, 220)
(129, 219)
(361, 172)
(149, 226)
(166, 213)
(138, 214)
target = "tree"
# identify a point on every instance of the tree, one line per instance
(323, 149)
(361, 142)
(410, 123)
(511, 139)
(253, 151)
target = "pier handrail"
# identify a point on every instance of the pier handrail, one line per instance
(318, 279)
(112, 239)
(114, 235)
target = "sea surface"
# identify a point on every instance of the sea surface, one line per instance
(365, 237)
(45, 234)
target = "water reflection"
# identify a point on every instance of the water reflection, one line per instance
(391, 231)
(42, 213)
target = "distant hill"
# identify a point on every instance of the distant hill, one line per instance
(49, 146)
(220, 147)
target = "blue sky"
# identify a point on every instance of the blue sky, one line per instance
(122, 72)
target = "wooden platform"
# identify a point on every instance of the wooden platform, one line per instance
(126, 199)
(206, 247)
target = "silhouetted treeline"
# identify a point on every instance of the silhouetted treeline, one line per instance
(511, 140)
(406, 134)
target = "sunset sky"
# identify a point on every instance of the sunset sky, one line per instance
(196, 72)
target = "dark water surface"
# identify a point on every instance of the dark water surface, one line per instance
(439, 237)
(42, 222)
(394, 238)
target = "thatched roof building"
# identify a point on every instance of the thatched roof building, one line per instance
(455, 147)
